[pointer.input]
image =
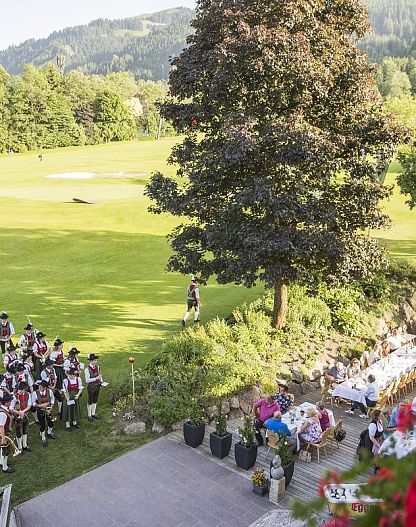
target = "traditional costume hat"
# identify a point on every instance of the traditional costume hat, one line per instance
(93, 356)
(6, 398)
(4, 315)
(71, 371)
(58, 342)
(22, 385)
(49, 362)
(40, 335)
(73, 351)
(29, 327)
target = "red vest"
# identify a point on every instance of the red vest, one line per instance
(74, 362)
(8, 423)
(11, 357)
(72, 385)
(191, 291)
(60, 358)
(42, 347)
(8, 377)
(30, 339)
(23, 400)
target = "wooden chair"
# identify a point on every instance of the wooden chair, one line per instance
(273, 441)
(335, 430)
(402, 385)
(325, 439)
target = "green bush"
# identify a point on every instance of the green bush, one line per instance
(402, 270)
(376, 289)
(344, 303)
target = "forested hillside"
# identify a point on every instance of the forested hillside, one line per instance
(394, 29)
(141, 45)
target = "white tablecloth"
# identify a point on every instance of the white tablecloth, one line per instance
(385, 371)
(398, 445)
(296, 420)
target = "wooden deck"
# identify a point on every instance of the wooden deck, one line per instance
(306, 475)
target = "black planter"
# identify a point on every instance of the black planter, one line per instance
(220, 446)
(245, 457)
(193, 435)
(259, 490)
(288, 470)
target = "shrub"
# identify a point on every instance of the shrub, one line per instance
(402, 270)
(246, 433)
(220, 422)
(376, 289)
(344, 303)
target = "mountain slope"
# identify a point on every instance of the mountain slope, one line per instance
(141, 45)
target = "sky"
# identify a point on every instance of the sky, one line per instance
(24, 19)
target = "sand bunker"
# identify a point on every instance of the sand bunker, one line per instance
(72, 175)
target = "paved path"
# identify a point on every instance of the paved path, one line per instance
(162, 484)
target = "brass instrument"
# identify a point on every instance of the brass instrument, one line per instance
(10, 442)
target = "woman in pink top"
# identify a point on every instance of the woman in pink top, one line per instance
(323, 416)
(263, 410)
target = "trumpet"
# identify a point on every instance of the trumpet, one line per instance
(10, 442)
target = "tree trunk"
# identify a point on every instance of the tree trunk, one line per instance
(280, 304)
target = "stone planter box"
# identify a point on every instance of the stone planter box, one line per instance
(220, 446)
(193, 435)
(245, 457)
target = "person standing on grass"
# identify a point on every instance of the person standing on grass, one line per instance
(27, 340)
(71, 362)
(23, 404)
(193, 301)
(57, 355)
(72, 389)
(5, 429)
(6, 332)
(43, 400)
(11, 357)
(93, 379)
(41, 351)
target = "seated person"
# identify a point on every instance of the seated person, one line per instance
(354, 369)
(396, 340)
(323, 416)
(371, 394)
(374, 355)
(311, 430)
(275, 425)
(263, 410)
(283, 399)
(385, 348)
(337, 373)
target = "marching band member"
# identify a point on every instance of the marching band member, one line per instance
(5, 428)
(11, 357)
(6, 331)
(57, 355)
(22, 375)
(9, 381)
(41, 351)
(72, 389)
(23, 404)
(71, 362)
(93, 379)
(48, 374)
(27, 358)
(27, 340)
(43, 400)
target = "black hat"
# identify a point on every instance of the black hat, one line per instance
(73, 351)
(58, 342)
(39, 335)
(49, 362)
(44, 383)
(71, 371)
(20, 367)
(27, 354)
(22, 385)
(6, 398)
(29, 326)
(4, 315)
(12, 347)
(93, 356)
(11, 369)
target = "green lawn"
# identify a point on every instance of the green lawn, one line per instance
(94, 275)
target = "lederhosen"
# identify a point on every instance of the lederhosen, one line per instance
(42, 348)
(44, 417)
(59, 361)
(71, 412)
(52, 377)
(5, 450)
(4, 333)
(93, 387)
(22, 423)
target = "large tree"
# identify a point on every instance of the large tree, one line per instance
(285, 140)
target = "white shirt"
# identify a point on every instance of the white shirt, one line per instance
(16, 400)
(5, 384)
(88, 378)
(374, 428)
(3, 416)
(395, 342)
(10, 358)
(36, 347)
(45, 375)
(372, 392)
(35, 397)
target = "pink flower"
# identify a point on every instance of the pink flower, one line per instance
(410, 505)
(339, 521)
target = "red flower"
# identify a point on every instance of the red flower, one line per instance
(405, 419)
(397, 497)
(410, 505)
(194, 122)
(382, 474)
(338, 521)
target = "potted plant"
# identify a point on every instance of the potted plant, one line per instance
(286, 457)
(246, 449)
(260, 482)
(220, 440)
(194, 427)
